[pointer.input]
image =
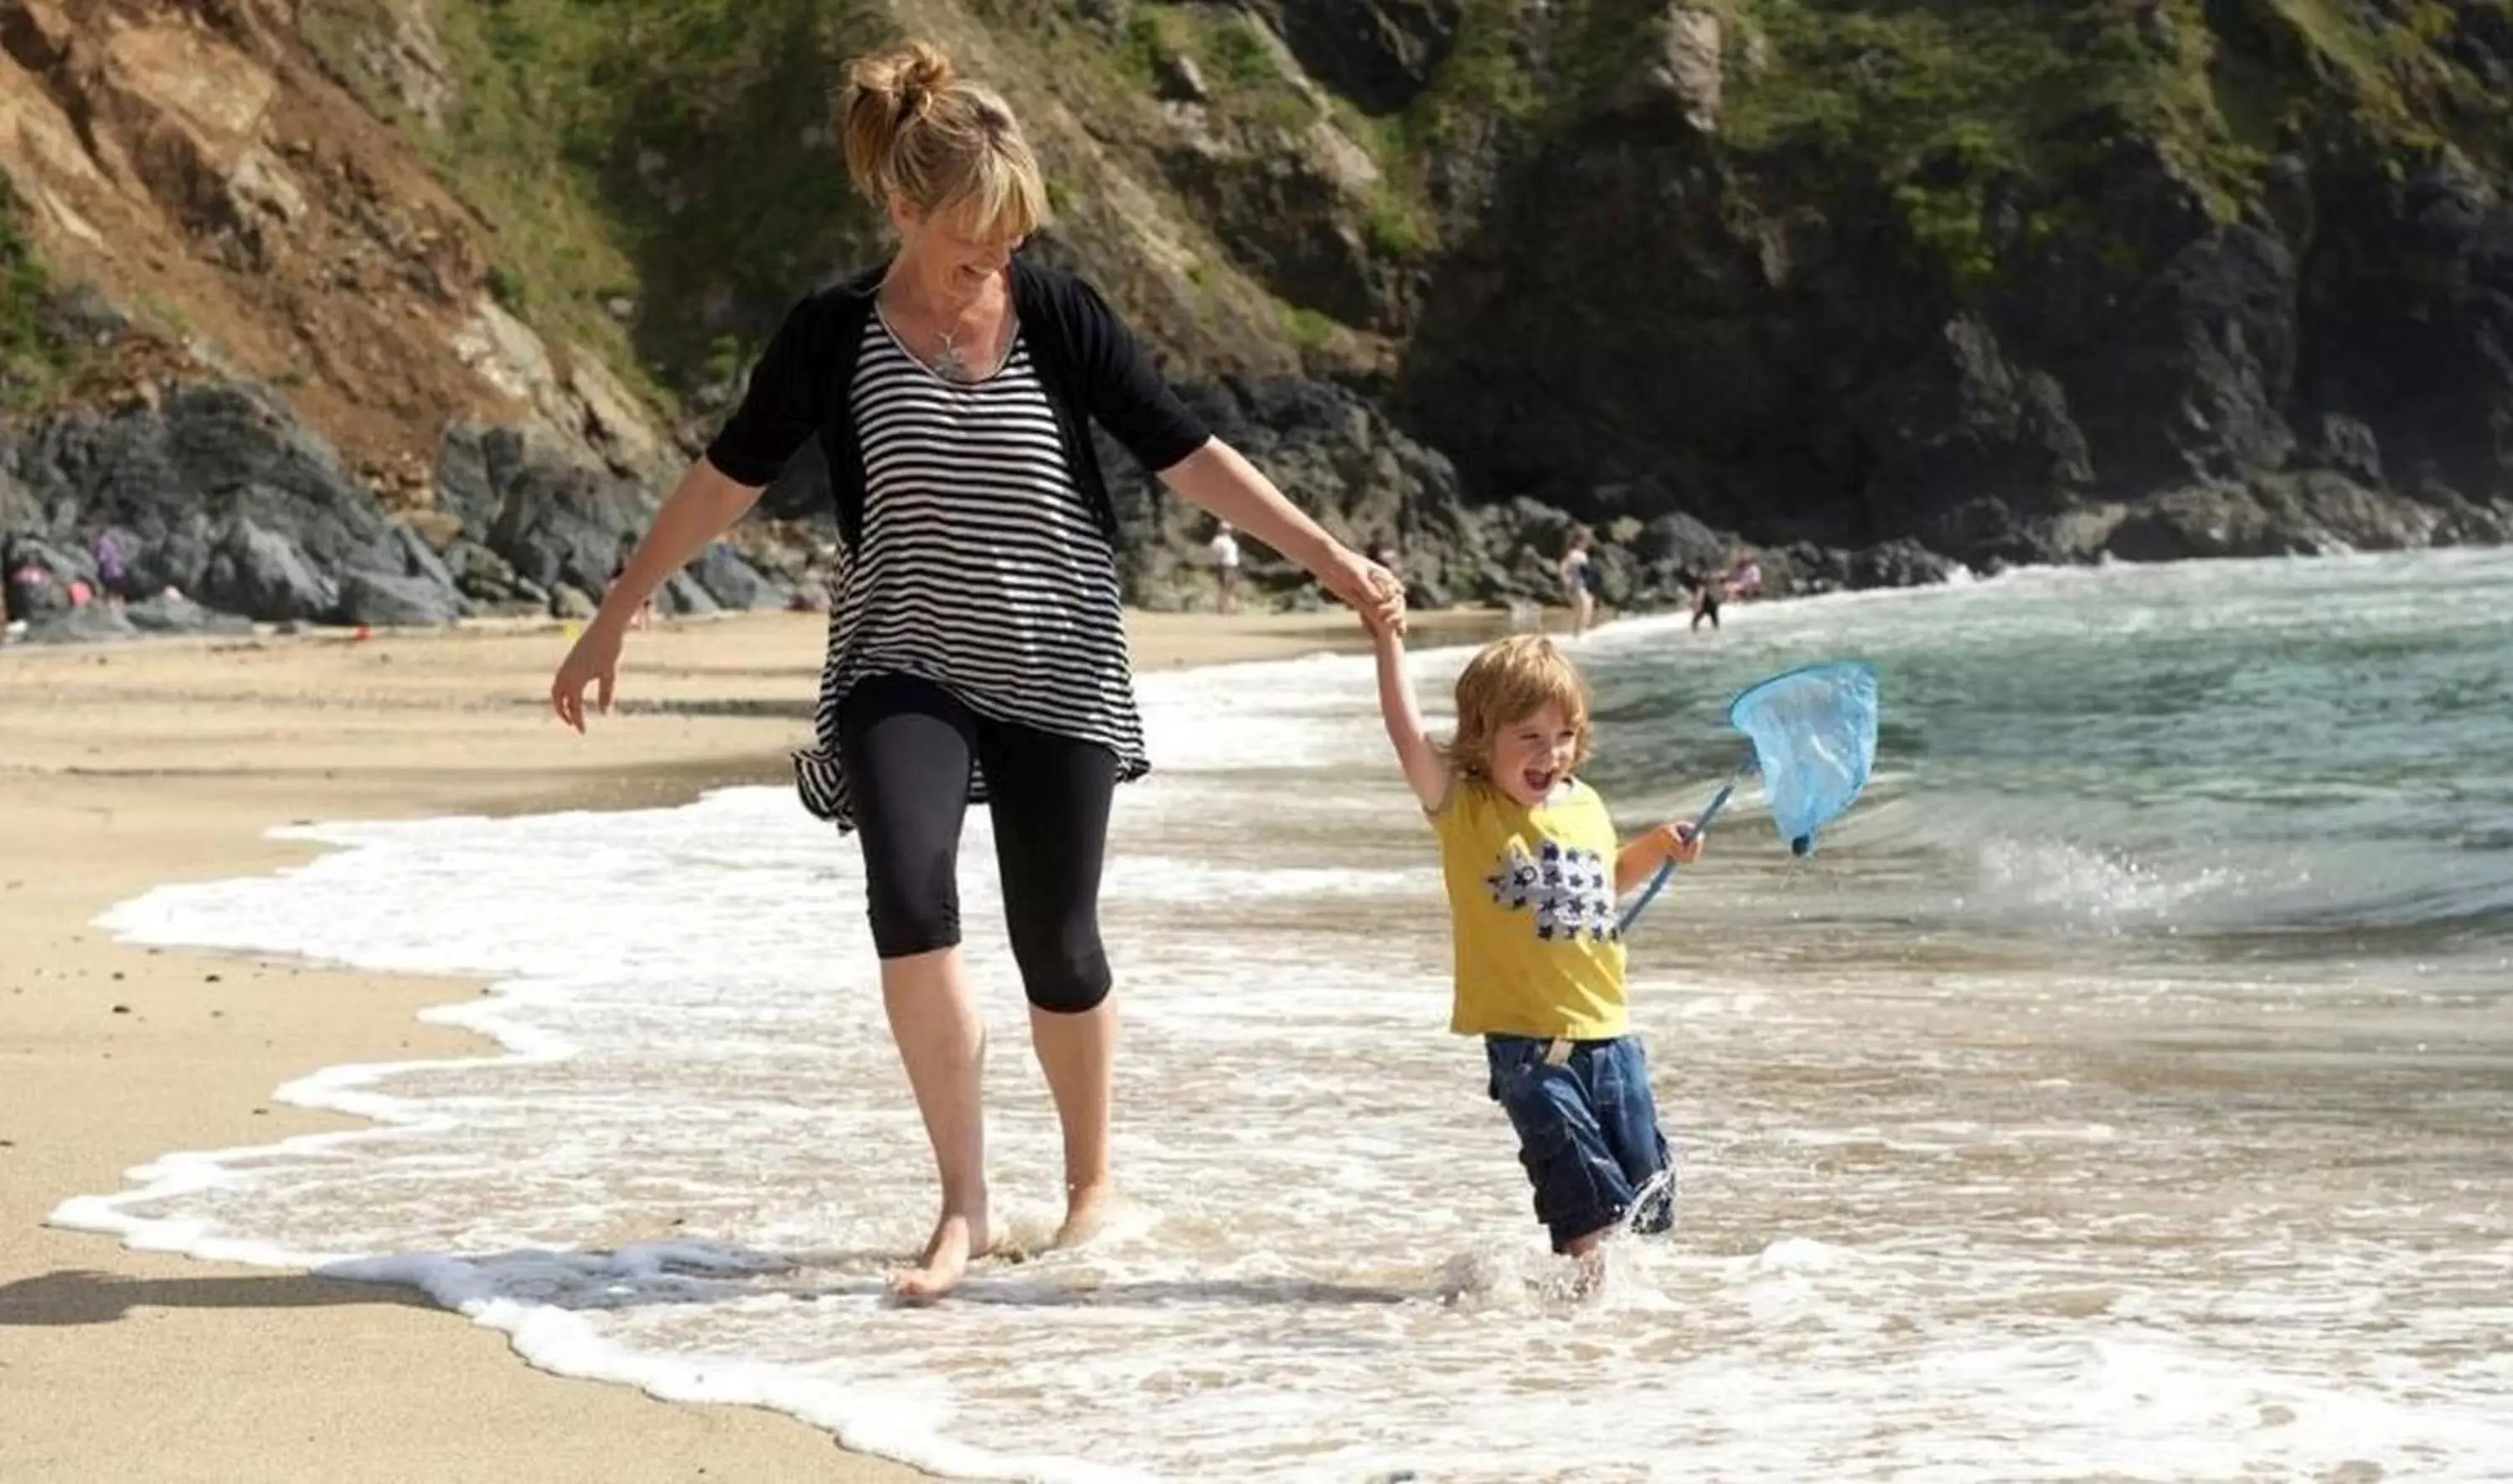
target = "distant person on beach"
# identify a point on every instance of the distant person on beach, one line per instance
(1578, 573)
(977, 644)
(1705, 599)
(1225, 570)
(26, 583)
(1533, 874)
(1745, 580)
(112, 573)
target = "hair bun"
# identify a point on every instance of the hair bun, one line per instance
(908, 78)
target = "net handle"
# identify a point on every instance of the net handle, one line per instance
(1700, 824)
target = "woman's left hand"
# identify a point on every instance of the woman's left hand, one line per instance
(1367, 588)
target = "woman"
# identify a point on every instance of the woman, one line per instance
(1579, 575)
(977, 646)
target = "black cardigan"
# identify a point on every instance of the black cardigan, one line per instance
(1086, 358)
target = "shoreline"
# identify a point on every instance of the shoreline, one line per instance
(140, 764)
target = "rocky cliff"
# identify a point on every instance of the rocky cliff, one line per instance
(1871, 283)
(2020, 280)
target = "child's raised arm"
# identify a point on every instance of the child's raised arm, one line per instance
(1425, 767)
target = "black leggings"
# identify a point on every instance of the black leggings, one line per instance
(908, 746)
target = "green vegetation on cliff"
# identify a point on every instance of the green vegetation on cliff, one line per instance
(31, 356)
(663, 157)
(1241, 70)
(1944, 103)
(659, 170)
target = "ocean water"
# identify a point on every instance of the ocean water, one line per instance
(2124, 1091)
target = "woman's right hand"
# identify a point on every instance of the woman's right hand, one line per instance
(594, 661)
(1369, 589)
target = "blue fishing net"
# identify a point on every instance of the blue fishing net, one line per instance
(1815, 743)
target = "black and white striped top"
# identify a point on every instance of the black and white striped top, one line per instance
(981, 566)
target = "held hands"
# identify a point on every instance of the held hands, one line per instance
(594, 661)
(1367, 588)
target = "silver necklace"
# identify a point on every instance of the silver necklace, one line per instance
(953, 363)
(950, 364)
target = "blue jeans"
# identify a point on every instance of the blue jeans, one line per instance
(1587, 1132)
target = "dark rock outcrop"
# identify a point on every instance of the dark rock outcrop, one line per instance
(1763, 337)
(536, 522)
(95, 623)
(554, 521)
(1368, 483)
(218, 491)
(224, 503)
(1381, 54)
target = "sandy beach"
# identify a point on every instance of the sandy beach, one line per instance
(127, 766)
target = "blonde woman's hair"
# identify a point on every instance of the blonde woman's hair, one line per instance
(1508, 681)
(917, 132)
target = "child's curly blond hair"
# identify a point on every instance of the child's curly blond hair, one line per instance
(1508, 681)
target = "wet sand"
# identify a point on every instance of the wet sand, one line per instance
(127, 766)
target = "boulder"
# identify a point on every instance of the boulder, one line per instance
(734, 583)
(387, 600)
(1899, 563)
(403, 552)
(94, 624)
(479, 573)
(682, 597)
(1677, 537)
(171, 612)
(558, 522)
(263, 574)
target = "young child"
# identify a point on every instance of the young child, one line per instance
(1534, 873)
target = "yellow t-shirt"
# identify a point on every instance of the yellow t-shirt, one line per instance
(1532, 903)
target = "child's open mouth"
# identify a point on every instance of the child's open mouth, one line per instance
(1539, 781)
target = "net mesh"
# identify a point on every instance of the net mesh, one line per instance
(1814, 732)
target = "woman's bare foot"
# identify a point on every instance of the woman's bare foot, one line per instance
(958, 1239)
(1087, 1209)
